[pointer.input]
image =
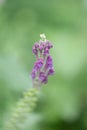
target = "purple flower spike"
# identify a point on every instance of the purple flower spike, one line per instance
(43, 66)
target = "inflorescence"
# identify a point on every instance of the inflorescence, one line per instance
(43, 67)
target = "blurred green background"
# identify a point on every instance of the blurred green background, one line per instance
(63, 101)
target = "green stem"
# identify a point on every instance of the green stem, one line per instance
(25, 106)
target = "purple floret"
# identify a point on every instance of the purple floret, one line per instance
(41, 48)
(43, 77)
(38, 64)
(51, 71)
(36, 45)
(49, 62)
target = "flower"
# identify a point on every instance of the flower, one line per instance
(49, 61)
(43, 77)
(43, 66)
(38, 64)
(51, 71)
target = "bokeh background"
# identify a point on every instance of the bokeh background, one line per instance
(63, 102)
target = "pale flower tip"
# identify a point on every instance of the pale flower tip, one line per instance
(42, 36)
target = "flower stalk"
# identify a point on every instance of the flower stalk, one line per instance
(43, 68)
(25, 106)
